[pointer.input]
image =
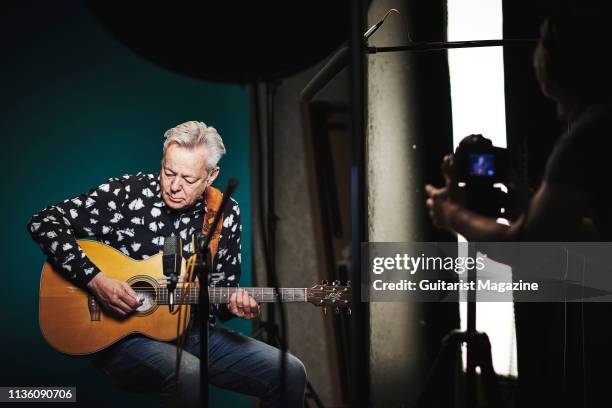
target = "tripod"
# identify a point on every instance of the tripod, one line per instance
(478, 355)
(272, 336)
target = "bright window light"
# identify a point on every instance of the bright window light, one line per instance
(478, 103)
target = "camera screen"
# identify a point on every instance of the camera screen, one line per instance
(481, 165)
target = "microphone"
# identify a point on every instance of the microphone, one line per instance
(171, 261)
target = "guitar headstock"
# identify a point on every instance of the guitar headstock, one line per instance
(334, 295)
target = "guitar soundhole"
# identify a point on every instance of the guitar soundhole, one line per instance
(148, 294)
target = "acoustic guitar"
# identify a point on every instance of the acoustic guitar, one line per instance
(73, 322)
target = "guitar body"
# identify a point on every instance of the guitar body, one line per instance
(73, 322)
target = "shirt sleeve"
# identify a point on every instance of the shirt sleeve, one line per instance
(228, 258)
(94, 214)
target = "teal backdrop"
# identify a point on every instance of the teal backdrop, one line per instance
(77, 108)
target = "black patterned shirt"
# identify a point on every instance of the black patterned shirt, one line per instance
(129, 214)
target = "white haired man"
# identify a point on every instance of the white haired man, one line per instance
(134, 214)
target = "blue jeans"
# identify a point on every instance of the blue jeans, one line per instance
(237, 362)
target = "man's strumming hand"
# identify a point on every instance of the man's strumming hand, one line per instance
(114, 295)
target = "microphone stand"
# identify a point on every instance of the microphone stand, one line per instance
(203, 270)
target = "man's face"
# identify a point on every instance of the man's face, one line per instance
(548, 84)
(184, 176)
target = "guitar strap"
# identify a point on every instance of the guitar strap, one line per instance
(213, 202)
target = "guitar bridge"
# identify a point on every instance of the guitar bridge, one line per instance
(94, 309)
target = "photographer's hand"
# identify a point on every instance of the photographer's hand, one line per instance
(447, 214)
(447, 211)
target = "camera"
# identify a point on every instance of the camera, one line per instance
(482, 172)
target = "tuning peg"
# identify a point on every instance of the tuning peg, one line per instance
(336, 310)
(324, 310)
(349, 310)
(336, 282)
(348, 283)
(324, 282)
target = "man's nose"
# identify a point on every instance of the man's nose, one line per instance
(175, 185)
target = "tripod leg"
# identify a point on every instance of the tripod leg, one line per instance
(471, 383)
(444, 364)
(482, 358)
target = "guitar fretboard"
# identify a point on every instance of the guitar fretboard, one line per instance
(222, 295)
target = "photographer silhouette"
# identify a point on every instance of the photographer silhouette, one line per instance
(574, 71)
(573, 203)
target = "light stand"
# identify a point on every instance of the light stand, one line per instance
(275, 333)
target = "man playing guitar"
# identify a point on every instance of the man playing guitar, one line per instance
(134, 214)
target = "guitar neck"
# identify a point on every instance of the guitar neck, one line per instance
(222, 295)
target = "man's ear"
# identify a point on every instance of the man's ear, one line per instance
(212, 176)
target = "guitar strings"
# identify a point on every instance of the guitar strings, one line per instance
(232, 289)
